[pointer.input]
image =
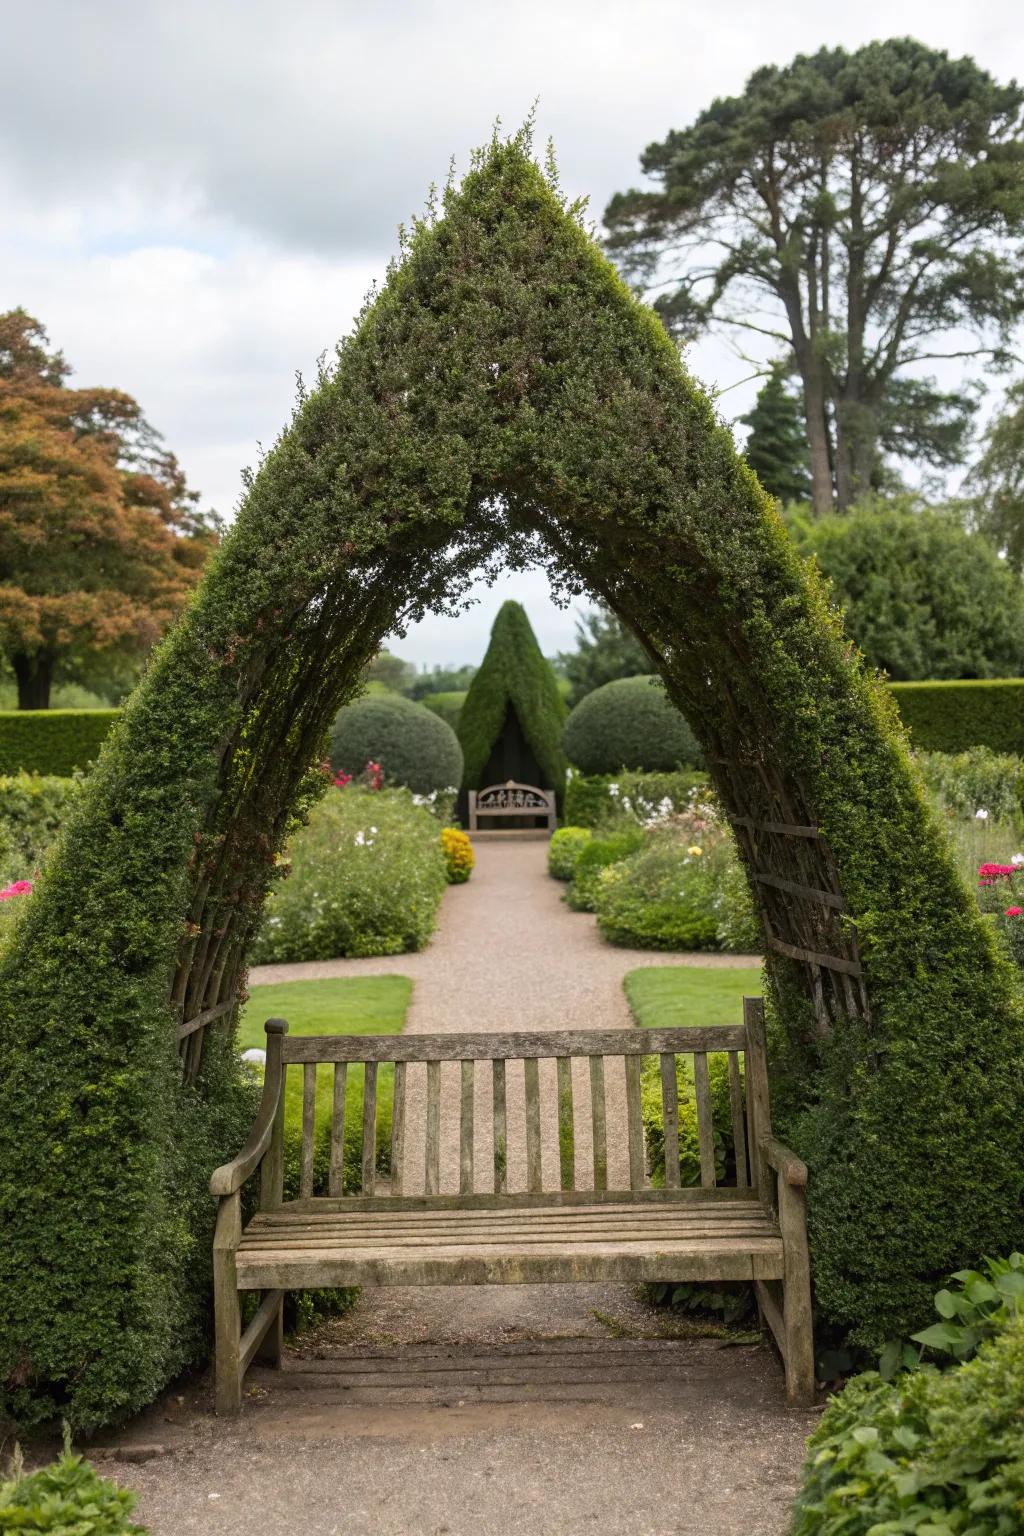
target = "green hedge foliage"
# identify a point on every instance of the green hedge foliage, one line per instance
(930, 1454)
(415, 747)
(502, 394)
(630, 724)
(513, 675)
(564, 850)
(365, 877)
(950, 717)
(591, 799)
(599, 854)
(52, 741)
(32, 811)
(447, 705)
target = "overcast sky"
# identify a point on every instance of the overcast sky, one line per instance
(195, 194)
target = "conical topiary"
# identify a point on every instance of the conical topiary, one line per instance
(513, 700)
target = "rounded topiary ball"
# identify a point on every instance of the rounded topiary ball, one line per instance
(630, 724)
(414, 746)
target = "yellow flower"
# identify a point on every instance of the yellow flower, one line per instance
(696, 852)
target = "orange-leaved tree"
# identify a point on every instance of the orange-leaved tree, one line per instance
(101, 540)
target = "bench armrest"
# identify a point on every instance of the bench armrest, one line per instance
(231, 1176)
(786, 1163)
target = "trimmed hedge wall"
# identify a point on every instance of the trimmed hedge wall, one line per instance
(52, 741)
(950, 717)
(630, 724)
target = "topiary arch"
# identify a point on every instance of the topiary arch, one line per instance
(513, 679)
(504, 394)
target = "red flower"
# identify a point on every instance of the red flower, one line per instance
(341, 779)
(18, 888)
(1014, 912)
(988, 874)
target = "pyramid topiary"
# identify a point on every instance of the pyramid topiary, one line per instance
(514, 679)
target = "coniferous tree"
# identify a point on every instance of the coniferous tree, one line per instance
(776, 448)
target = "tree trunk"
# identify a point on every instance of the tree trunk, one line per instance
(817, 441)
(856, 451)
(34, 674)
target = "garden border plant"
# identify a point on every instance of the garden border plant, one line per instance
(502, 396)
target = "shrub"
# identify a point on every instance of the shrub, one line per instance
(32, 811)
(653, 1115)
(629, 724)
(458, 854)
(367, 874)
(950, 717)
(67, 1498)
(415, 747)
(513, 679)
(593, 798)
(52, 741)
(447, 705)
(978, 779)
(660, 898)
(615, 844)
(936, 1453)
(564, 850)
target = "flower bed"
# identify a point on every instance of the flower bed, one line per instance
(365, 877)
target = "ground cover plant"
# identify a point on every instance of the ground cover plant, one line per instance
(930, 1452)
(415, 747)
(502, 396)
(67, 1498)
(630, 724)
(364, 877)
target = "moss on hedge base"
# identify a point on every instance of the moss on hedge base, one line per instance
(504, 392)
(513, 676)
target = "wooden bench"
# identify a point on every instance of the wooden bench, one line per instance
(512, 800)
(576, 1120)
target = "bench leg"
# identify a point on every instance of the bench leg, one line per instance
(271, 1348)
(796, 1297)
(227, 1312)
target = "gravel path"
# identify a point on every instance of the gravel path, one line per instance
(509, 954)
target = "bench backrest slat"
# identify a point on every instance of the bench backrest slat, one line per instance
(550, 1125)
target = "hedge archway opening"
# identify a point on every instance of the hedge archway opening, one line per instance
(502, 399)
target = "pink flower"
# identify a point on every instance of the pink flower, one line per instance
(18, 888)
(1014, 912)
(341, 779)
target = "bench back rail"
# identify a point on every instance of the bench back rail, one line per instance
(511, 1096)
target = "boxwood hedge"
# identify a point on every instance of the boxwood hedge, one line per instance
(502, 395)
(52, 741)
(413, 745)
(950, 717)
(630, 723)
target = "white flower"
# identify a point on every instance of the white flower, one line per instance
(613, 790)
(359, 839)
(1018, 858)
(373, 831)
(981, 815)
(258, 1057)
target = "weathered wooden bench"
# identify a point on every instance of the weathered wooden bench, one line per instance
(405, 1230)
(522, 801)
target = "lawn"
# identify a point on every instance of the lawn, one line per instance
(668, 997)
(365, 1005)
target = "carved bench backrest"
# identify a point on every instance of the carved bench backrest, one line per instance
(511, 800)
(523, 1115)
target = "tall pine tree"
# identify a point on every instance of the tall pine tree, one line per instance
(777, 446)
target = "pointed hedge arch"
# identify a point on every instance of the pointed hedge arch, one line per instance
(502, 396)
(513, 675)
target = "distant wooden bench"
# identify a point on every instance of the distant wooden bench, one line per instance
(512, 800)
(753, 1228)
